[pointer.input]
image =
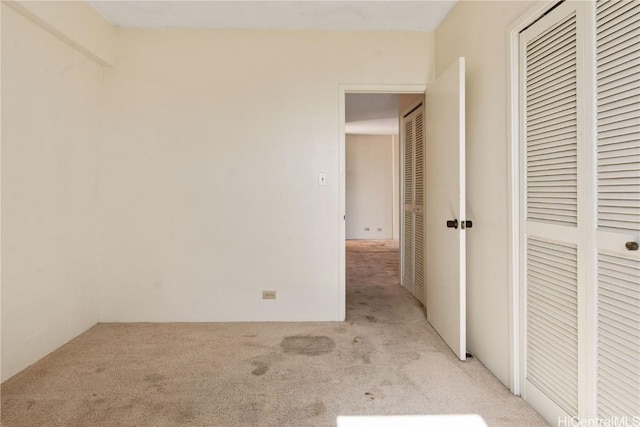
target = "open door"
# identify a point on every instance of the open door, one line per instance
(445, 207)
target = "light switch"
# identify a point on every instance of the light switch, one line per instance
(322, 178)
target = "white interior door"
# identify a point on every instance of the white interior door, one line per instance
(445, 207)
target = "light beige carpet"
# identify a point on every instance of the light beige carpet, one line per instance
(384, 360)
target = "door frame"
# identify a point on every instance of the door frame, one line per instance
(516, 355)
(343, 89)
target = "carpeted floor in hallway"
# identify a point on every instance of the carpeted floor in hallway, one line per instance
(384, 360)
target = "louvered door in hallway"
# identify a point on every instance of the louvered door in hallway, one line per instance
(413, 218)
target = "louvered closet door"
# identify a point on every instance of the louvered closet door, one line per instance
(618, 207)
(550, 80)
(413, 261)
(419, 216)
(407, 202)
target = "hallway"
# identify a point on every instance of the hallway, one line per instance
(384, 360)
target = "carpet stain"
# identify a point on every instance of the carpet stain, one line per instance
(369, 396)
(364, 357)
(185, 415)
(251, 412)
(357, 340)
(154, 378)
(261, 368)
(371, 318)
(316, 409)
(308, 345)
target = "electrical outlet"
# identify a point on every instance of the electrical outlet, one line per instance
(268, 294)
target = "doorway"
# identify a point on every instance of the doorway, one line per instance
(403, 95)
(445, 213)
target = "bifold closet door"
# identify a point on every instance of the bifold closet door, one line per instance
(550, 82)
(581, 205)
(618, 208)
(413, 245)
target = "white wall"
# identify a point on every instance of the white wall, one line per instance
(477, 30)
(51, 109)
(370, 177)
(209, 171)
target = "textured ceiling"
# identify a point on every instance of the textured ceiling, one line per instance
(363, 15)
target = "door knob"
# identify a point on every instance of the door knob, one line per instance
(452, 224)
(631, 246)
